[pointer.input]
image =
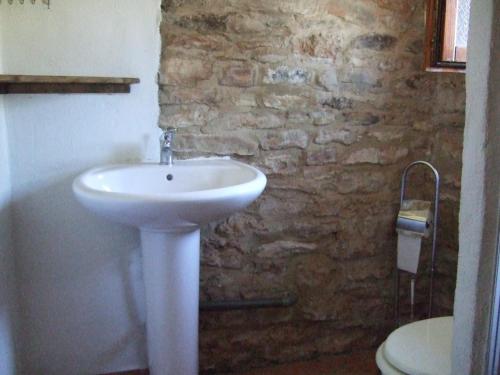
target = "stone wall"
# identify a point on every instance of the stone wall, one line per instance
(329, 99)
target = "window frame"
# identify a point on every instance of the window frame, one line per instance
(440, 27)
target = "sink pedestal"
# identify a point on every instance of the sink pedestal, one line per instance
(171, 267)
(169, 203)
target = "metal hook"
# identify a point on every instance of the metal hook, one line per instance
(46, 2)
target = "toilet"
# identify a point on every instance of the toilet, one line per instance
(422, 347)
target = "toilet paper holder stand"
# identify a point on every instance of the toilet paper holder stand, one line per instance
(434, 237)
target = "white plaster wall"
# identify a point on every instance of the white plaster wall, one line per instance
(479, 210)
(7, 282)
(80, 286)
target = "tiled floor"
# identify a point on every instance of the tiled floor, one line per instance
(361, 363)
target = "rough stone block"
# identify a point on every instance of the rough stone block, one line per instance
(203, 22)
(238, 76)
(339, 103)
(246, 24)
(321, 156)
(374, 41)
(283, 163)
(227, 144)
(329, 134)
(362, 118)
(322, 118)
(328, 79)
(284, 74)
(185, 116)
(285, 102)
(189, 95)
(360, 182)
(195, 41)
(281, 139)
(371, 155)
(284, 248)
(183, 72)
(251, 120)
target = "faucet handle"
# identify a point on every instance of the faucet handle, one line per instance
(168, 135)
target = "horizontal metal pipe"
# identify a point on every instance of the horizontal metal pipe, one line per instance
(259, 303)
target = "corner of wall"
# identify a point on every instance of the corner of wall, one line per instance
(8, 299)
(479, 198)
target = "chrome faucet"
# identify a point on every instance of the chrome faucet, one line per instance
(166, 142)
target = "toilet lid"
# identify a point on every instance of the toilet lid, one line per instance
(422, 347)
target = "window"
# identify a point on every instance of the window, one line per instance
(447, 27)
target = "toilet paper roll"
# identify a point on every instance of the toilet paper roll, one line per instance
(415, 216)
(409, 246)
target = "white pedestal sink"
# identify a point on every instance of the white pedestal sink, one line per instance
(168, 204)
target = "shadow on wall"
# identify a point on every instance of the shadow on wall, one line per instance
(80, 282)
(7, 296)
(129, 152)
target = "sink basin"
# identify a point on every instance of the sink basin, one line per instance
(160, 197)
(168, 204)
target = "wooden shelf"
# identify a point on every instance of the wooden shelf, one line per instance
(25, 84)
